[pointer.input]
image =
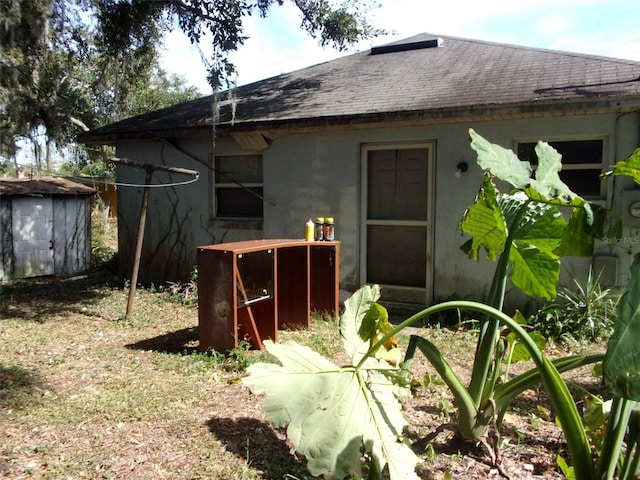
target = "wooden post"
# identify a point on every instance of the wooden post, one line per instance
(139, 241)
(149, 168)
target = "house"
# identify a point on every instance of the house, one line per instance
(379, 141)
(45, 227)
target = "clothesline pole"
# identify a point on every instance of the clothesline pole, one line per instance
(139, 241)
(149, 168)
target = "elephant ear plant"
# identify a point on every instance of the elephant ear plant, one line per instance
(333, 414)
(527, 233)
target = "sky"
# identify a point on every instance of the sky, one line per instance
(278, 45)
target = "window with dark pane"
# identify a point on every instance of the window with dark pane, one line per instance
(238, 186)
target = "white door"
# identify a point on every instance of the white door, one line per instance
(32, 225)
(397, 210)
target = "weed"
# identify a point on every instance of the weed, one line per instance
(104, 237)
(238, 358)
(184, 293)
(535, 422)
(322, 336)
(430, 452)
(445, 408)
(586, 313)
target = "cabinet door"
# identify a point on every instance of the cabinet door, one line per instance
(217, 325)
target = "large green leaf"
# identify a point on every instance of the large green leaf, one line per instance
(358, 322)
(534, 271)
(333, 413)
(577, 239)
(539, 225)
(547, 178)
(629, 167)
(621, 365)
(537, 230)
(501, 162)
(484, 222)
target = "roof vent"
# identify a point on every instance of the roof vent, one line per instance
(403, 47)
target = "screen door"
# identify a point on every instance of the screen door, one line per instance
(397, 210)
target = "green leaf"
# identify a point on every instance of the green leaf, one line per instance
(540, 225)
(621, 364)
(501, 162)
(333, 413)
(534, 271)
(358, 322)
(520, 352)
(568, 471)
(547, 178)
(577, 239)
(537, 231)
(629, 167)
(484, 222)
(370, 323)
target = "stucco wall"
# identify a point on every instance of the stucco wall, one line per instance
(318, 174)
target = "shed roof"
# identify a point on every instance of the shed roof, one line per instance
(34, 186)
(424, 76)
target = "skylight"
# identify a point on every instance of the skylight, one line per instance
(403, 47)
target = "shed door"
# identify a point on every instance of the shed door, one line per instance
(32, 225)
(397, 206)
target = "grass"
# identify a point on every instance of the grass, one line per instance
(85, 394)
(88, 394)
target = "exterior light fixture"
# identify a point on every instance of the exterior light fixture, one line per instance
(461, 167)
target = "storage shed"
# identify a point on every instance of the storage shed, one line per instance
(45, 227)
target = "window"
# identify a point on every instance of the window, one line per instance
(238, 186)
(582, 162)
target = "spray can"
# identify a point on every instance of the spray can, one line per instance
(329, 229)
(309, 230)
(319, 232)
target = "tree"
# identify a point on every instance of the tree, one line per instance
(68, 65)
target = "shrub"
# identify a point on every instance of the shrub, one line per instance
(586, 313)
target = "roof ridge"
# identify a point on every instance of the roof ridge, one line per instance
(531, 48)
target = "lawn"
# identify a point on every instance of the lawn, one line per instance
(86, 393)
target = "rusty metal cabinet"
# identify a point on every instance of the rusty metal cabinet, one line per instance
(249, 290)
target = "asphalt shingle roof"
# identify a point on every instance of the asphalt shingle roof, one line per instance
(38, 186)
(438, 81)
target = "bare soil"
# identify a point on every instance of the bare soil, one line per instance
(88, 394)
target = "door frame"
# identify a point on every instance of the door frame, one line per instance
(426, 293)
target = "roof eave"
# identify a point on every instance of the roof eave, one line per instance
(449, 114)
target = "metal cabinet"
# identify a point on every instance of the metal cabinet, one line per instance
(249, 290)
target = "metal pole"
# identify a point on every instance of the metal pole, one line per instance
(139, 241)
